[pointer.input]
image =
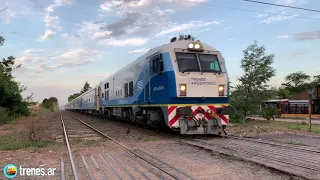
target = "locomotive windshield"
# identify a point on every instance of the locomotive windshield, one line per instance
(209, 62)
(188, 62)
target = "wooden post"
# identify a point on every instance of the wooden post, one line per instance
(310, 109)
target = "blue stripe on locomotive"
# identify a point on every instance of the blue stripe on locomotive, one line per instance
(168, 95)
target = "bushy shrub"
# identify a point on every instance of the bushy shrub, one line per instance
(4, 116)
(269, 111)
(237, 117)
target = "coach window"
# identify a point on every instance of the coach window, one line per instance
(131, 88)
(187, 62)
(209, 63)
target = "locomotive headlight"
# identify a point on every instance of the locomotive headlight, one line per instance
(221, 90)
(183, 89)
(195, 46)
(190, 45)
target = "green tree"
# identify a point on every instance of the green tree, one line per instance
(73, 96)
(85, 88)
(50, 103)
(316, 80)
(297, 82)
(10, 90)
(283, 93)
(253, 89)
(1, 40)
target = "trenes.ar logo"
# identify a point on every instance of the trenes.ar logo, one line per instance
(10, 170)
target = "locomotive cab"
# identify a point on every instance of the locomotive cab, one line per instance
(201, 78)
(200, 72)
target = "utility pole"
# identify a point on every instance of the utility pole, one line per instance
(310, 93)
(310, 109)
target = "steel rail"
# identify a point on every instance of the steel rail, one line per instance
(74, 170)
(251, 154)
(123, 146)
(253, 150)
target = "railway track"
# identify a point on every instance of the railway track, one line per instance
(123, 163)
(295, 160)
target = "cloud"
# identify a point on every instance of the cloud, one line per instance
(101, 35)
(138, 50)
(118, 28)
(46, 35)
(283, 37)
(124, 42)
(277, 18)
(131, 24)
(122, 5)
(311, 35)
(227, 28)
(163, 12)
(6, 13)
(79, 54)
(52, 22)
(33, 51)
(260, 15)
(186, 26)
(71, 58)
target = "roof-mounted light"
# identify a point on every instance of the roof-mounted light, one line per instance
(195, 46)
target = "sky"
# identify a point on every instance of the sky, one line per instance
(63, 43)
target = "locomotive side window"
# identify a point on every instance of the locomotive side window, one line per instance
(209, 63)
(154, 65)
(131, 88)
(107, 85)
(187, 62)
(126, 90)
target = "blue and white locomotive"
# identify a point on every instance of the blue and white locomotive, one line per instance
(183, 85)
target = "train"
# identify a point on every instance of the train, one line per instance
(182, 85)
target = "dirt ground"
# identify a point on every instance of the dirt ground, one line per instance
(41, 152)
(163, 145)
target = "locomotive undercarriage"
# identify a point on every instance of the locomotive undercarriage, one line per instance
(147, 117)
(190, 125)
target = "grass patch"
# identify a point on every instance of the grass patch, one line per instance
(93, 122)
(315, 128)
(92, 143)
(147, 138)
(42, 110)
(15, 142)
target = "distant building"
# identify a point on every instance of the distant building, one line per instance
(299, 103)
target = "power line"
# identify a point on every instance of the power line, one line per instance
(248, 10)
(280, 5)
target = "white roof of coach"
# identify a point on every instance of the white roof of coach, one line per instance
(180, 44)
